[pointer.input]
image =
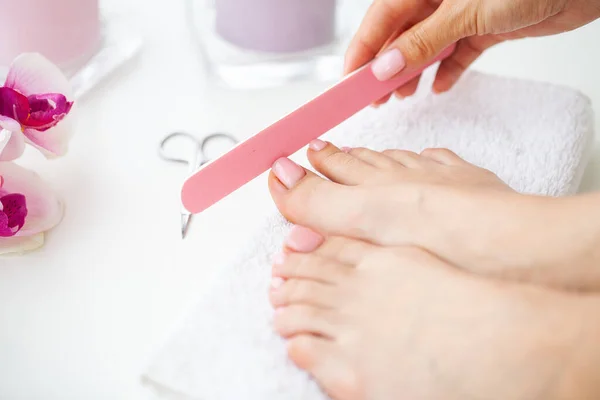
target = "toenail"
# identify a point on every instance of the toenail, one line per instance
(303, 240)
(279, 259)
(317, 145)
(346, 149)
(288, 172)
(276, 282)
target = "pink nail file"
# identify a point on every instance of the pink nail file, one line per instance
(252, 157)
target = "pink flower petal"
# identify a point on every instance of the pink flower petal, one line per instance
(32, 73)
(53, 142)
(21, 244)
(44, 209)
(12, 144)
(13, 104)
(47, 110)
(13, 214)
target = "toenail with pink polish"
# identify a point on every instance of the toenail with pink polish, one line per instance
(279, 259)
(317, 145)
(276, 282)
(346, 149)
(288, 172)
(303, 240)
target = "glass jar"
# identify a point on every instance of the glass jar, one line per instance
(67, 32)
(259, 43)
(84, 39)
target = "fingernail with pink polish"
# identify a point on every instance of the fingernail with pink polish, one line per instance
(288, 172)
(346, 149)
(388, 64)
(317, 145)
(303, 240)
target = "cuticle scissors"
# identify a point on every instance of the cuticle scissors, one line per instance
(199, 158)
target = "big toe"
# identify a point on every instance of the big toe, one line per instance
(309, 200)
(324, 361)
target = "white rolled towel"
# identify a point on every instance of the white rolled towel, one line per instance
(537, 137)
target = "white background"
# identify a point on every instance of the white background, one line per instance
(80, 318)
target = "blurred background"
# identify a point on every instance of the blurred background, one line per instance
(81, 317)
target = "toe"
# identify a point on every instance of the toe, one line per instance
(339, 166)
(302, 291)
(344, 250)
(300, 318)
(321, 205)
(309, 266)
(374, 158)
(406, 158)
(443, 156)
(323, 359)
(302, 239)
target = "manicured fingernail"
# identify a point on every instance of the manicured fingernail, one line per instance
(303, 240)
(317, 145)
(288, 172)
(276, 282)
(279, 259)
(388, 64)
(346, 149)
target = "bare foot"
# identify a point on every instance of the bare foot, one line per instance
(438, 201)
(398, 323)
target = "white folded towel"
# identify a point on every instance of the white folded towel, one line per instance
(535, 136)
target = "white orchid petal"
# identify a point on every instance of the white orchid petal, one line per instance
(9, 124)
(44, 208)
(12, 145)
(32, 73)
(21, 244)
(53, 142)
(4, 139)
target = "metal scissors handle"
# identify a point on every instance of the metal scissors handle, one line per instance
(198, 159)
(199, 156)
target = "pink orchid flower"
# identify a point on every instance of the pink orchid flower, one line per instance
(34, 102)
(28, 208)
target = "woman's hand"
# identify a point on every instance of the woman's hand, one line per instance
(409, 33)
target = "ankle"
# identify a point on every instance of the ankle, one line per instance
(581, 376)
(573, 242)
(552, 241)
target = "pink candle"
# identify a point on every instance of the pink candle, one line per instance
(276, 25)
(64, 31)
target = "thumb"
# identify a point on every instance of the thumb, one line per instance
(422, 42)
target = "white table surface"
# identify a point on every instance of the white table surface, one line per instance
(80, 318)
